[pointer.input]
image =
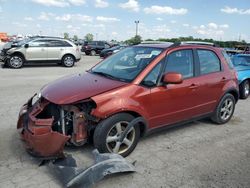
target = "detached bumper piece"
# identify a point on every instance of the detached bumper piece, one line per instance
(105, 164)
(41, 140)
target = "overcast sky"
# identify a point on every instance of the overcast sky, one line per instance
(114, 19)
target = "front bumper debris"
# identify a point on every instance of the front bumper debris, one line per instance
(105, 164)
(40, 139)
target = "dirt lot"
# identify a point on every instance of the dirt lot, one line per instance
(198, 154)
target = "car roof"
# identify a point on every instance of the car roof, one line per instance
(165, 45)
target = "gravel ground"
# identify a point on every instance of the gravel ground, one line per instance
(199, 154)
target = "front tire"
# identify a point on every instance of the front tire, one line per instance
(107, 134)
(224, 110)
(16, 61)
(68, 61)
(244, 89)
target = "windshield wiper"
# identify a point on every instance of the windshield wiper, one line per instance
(107, 75)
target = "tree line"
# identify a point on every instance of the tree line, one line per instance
(138, 39)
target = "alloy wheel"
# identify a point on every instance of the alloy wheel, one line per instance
(68, 61)
(113, 138)
(246, 89)
(16, 62)
(227, 109)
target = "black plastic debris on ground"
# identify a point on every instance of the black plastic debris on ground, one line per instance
(105, 164)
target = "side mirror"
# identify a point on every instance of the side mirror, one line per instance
(26, 45)
(172, 78)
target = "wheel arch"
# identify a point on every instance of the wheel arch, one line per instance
(20, 54)
(234, 92)
(70, 55)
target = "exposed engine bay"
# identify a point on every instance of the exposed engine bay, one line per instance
(43, 124)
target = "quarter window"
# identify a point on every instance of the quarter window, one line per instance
(182, 62)
(209, 62)
(58, 43)
(152, 78)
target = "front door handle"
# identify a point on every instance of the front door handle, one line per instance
(193, 86)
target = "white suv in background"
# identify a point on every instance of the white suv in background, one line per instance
(57, 50)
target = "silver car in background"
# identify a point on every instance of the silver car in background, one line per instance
(59, 50)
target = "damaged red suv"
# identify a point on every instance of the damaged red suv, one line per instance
(138, 90)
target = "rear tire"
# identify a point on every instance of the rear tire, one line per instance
(16, 61)
(108, 131)
(68, 61)
(244, 89)
(92, 53)
(224, 111)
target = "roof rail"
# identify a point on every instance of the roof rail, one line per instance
(154, 42)
(198, 43)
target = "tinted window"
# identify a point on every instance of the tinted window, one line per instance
(228, 59)
(152, 78)
(58, 43)
(38, 43)
(92, 43)
(182, 62)
(100, 43)
(209, 61)
(241, 60)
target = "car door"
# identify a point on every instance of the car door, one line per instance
(212, 79)
(36, 50)
(55, 49)
(172, 103)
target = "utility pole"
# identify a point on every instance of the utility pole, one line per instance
(136, 27)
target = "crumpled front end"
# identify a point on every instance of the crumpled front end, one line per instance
(46, 127)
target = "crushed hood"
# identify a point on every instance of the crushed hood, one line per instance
(77, 87)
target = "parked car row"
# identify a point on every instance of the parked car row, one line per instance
(128, 95)
(43, 50)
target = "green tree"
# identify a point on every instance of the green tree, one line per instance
(66, 35)
(134, 40)
(89, 37)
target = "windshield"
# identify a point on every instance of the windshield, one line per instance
(126, 64)
(241, 60)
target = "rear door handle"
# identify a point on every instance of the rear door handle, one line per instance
(193, 86)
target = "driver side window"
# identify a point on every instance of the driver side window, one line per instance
(181, 61)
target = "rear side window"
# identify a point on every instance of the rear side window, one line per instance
(100, 43)
(228, 59)
(209, 62)
(181, 61)
(92, 43)
(58, 43)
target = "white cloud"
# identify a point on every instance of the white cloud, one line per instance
(159, 19)
(114, 33)
(185, 25)
(45, 16)
(77, 2)
(225, 26)
(211, 30)
(56, 3)
(212, 26)
(60, 3)
(173, 21)
(18, 24)
(131, 5)
(155, 9)
(230, 10)
(69, 26)
(101, 4)
(28, 19)
(38, 25)
(74, 17)
(1, 9)
(107, 19)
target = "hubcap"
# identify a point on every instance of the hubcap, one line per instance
(68, 61)
(227, 109)
(16, 61)
(113, 138)
(246, 89)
